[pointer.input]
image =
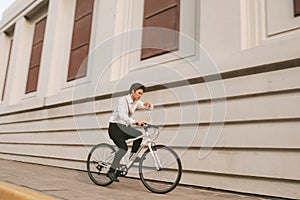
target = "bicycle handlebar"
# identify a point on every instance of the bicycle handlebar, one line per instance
(151, 126)
(146, 126)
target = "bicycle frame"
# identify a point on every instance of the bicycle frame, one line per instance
(148, 143)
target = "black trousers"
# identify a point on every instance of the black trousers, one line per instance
(119, 133)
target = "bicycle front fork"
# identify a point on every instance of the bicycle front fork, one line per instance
(155, 157)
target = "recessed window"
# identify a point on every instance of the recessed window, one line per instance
(160, 27)
(81, 39)
(36, 54)
(7, 68)
(297, 8)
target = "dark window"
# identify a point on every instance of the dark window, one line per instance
(80, 39)
(297, 7)
(36, 54)
(163, 15)
(6, 73)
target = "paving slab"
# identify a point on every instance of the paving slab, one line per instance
(68, 184)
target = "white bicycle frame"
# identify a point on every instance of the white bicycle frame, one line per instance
(149, 143)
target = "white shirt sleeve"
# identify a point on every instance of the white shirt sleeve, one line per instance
(122, 110)
(141, 106)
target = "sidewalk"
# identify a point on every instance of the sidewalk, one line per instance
(69, 184)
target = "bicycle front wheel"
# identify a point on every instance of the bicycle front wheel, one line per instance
(98, 162)
(160, 170)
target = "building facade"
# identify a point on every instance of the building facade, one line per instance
(223, 77)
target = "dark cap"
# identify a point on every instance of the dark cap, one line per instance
(135, 87)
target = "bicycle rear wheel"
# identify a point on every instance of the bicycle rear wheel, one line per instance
(98, 162)
(165, 178)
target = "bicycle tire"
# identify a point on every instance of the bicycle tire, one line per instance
(160, 181)
(96, 171)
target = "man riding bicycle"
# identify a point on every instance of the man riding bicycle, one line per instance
(120, 125)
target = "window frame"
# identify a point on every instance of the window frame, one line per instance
(187, 27)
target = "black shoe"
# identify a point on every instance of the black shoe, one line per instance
(112, 176)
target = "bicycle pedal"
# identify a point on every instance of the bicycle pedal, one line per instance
(122, 171)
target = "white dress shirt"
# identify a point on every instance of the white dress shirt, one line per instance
(124, 110)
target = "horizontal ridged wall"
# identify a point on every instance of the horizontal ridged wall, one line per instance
(259, 143)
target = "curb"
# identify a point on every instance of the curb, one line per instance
(13, 192)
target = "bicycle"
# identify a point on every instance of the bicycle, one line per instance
(160, 168)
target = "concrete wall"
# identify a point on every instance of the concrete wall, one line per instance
(251, 137)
